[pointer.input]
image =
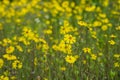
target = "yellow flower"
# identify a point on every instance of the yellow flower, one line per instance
(70, 59)
(45, 47)
(28, 50)
(45, 79)
(116, 55)
(72, 4)
(69, 39)
(84, 61)
(65, 4)
(61, 46)
(1, 26)
(9, 57)
(106, 20)
(118, 28)
(82, 23)
(6, 41)
(86, 50)
(112, 42)
(26, 30)
(116, 64)
(97, 23)
(18, 21)
(93, 34)
(17, 64)
(93, 56)
(13, 78)
(100, 54)
(67, 48)
(19, 48)
(63, 68)
(55, 47)
(35, 61)
(113, 36)
(64, 30)
(105, 3)
(48, 31)
(1, 63)
(90, 8)
(10, 49)
(102, 15)
(104, 27)
(4, 77)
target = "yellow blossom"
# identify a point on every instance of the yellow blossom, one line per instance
(118, 28)
(97, 23)
(49, 31)
(64, 30)
(104, 27)
(82, 23)
(9, 57)
(102, 15)
(10, 49)
(35, 61)
(90, 8)
(4, 77)
(1, 62)
(84, 61)
(93, 56)
(113, 36)
(1, 26)
(70, 59)
(116, 64)
(112, 42)
(116, 55)
(86, 50)
(19, 48)
(16, 64)
(69, 39)
(63, 68)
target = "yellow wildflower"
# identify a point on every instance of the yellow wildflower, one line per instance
(65, 4)
(63, 68)
(102, 15)
(116, 55)
(9, 57)
(19, 48)
(93, 56)
(97, 23)
(16, 64)
(64, 30)
(116, 64)
(1, 26)
(113, 36)
(86, 50)
(112, 42)
(70, 59)
(104, 27)
(84, 61)
(49, 31)
(35, 61)
(1, 63)
(10, 49)
(4, 77)
(69, 39)
(118, 28)
(82, 23)
(90, 8)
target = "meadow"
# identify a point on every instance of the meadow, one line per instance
(59, 39)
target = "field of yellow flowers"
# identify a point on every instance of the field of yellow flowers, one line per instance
(59, 39)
